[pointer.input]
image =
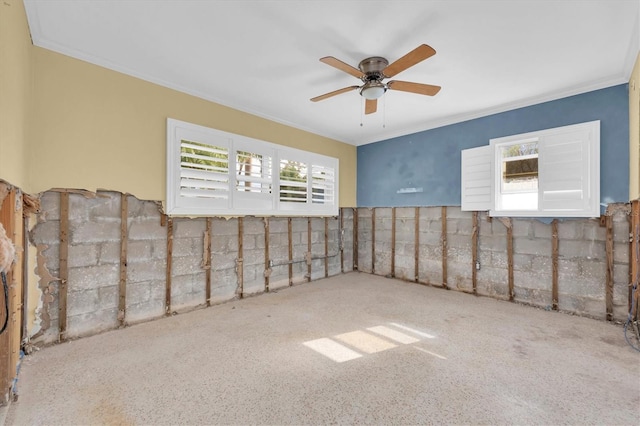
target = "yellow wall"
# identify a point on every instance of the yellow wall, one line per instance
(96, 128)
(15, 90)
(634, 132)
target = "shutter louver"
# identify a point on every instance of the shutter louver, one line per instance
(253, 173)
(322, 184)
(293, 182)
(477, 179)
(204, 170)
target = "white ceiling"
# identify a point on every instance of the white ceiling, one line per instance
(262, 56)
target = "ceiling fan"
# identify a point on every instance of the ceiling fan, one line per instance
(375, 69)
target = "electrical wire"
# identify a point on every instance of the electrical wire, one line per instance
(6, 301)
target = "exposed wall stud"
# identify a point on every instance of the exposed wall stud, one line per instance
(267, 265)
(342, 240)
(609, 279)
(373, 240)
(474, 253)
(635, 256)
(124, 237)
(393, 242)
(417, 246)
(309, 261)
(64, 269)
(11, 217)
(207, 261)
(356, 255)
(443, 239)
(289, 227)
(167, 293)
(555, 243)
(240, 260)
(631, 259)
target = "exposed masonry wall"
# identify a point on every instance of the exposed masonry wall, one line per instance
(582, 257)
(317, 246)
(93, 284)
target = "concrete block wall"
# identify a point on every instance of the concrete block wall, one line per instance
(364, 256)
(581, 259)
(430, 245)
(347, 261)
(95, 240)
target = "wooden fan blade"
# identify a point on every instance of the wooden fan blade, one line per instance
(335, 92)
(418, 54)
(419, 88)
(370, 106)
(337, 63)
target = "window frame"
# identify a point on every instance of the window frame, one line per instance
(242, 203)
(580, 200)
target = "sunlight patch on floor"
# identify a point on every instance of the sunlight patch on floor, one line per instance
(394, 335)
(365, 342)
(352, 345)
(332, 350)
(419, 333)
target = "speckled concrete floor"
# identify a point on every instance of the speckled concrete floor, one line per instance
(351, 349)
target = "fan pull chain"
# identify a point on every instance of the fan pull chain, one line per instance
(361, 109)
(384, 112)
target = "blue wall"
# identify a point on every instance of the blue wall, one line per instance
(431, 159)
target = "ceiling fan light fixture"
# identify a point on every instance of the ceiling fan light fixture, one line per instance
(373, 90)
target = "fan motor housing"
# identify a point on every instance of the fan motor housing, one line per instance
(372, 68)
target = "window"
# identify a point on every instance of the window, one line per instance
(518, 175)
(553, 173)
(210, 172)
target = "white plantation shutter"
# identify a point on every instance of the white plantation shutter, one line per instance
(322, 184)
(307, 182)
(211, 172)
(204, 170)
(293, 188)
(567, 177)
(197, 169)
(253, 177)
(477, 179)
(568, 173)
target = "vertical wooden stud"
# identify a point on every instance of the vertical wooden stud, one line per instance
(342, 240)
(373, 240)
(289, 230)
(309, 256)
(393, 242)
(11, 217)
(609, 278)
(443, 238)
(555, 243)
(416, 243)
(167, 292)
(25, 276)
(474, 253)
(64, 268)
(326, 247)
(632, 237)
(635, 257)
(511, 282)
(356, 255)
(240, 260)
(207, 261)
(267, 265)
(124, 237)
(16, 299)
